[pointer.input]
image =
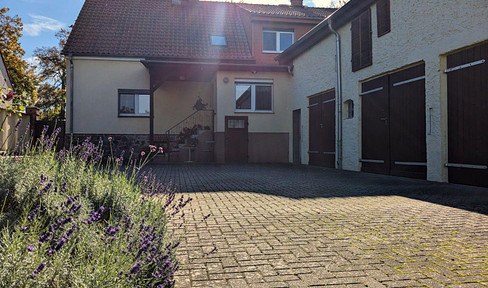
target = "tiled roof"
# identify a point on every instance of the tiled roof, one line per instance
(288, 11)
(156, 28)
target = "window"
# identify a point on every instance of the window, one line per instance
(134, 103)
(277, 41)
(349, 105)
(218, 40)
(383, 17)
(254, 97)
(362, 55)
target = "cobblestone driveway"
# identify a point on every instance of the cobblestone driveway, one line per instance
(284, 226)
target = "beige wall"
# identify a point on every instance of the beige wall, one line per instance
(420, 31)
(96, 84)
(279, 121)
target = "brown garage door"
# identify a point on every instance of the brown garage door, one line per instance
(322, 129)
(393, 124)
(467, 100)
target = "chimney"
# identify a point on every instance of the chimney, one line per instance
(297, 3)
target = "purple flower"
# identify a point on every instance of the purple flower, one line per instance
(161, 150)
(60, 244)
(143, 153)
(30, 248)
(38, 270)
(135, 268)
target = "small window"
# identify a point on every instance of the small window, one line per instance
(277, 41)
(254, 97)
(383, 17)
(134, 103)
(218, 40)
(349, 105)
(362, 45)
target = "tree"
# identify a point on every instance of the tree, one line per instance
(21, 74)
(52, 70)
(339, 3)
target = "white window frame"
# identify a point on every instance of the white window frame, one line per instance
(277, 38)
(136, 94)
(253, 84)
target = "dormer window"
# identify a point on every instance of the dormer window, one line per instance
(277, 41)
(218, 40)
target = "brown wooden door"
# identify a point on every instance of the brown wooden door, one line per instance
(322, 129)
(393, 124)
(467, 100)
(296, 137)
(375, 133)
(408, 154)
(236, 139)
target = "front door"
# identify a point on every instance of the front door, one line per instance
(321, 149)
(236, 139)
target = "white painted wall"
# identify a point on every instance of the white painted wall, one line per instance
(420, 31)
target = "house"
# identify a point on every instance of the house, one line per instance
(408, 96)
(199, 78)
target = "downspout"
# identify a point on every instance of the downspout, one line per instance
(338, 97)
(71, 70)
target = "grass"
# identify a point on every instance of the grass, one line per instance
(71, 218)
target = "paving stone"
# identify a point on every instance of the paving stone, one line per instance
(287, 226)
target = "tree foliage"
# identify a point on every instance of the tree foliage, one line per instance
(21, 74)
(52, 70)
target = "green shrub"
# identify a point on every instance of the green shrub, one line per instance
(67, 219)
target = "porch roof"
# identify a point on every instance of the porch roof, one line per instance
(168, 70)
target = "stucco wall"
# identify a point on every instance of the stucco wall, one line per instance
(314, 72)
(277, 121)
(420, 32)
(96, 84)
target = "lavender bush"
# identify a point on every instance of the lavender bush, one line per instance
(67, 219)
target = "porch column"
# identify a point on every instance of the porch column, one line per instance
(151, 106)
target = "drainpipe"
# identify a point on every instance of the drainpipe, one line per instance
(71, 70)
(338, 97)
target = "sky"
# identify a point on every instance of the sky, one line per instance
(43, 18)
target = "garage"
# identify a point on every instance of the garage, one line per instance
(393, 124)
(322, 129)
(467, 101)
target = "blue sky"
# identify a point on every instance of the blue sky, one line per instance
(43, 18)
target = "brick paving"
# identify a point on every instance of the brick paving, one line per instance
(285, 226)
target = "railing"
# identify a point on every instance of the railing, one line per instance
(198, 120)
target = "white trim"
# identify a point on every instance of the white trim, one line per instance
(409, 81)
(371, 91)
(122, 59)
(329, 153)
(252, 81)
(469, 166)
(411, 163)
(328, 101)
(371, 161)
(467, 65)
(312, 105)
(313, 152)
